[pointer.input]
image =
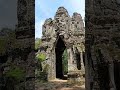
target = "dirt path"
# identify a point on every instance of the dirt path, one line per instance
(58, 85)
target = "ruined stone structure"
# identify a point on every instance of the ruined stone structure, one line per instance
(63, 32)
(26, 19)
(102, 45)
(20, 51)
(25, 32)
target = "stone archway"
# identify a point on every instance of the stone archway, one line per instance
(59, 49)
(59, 35)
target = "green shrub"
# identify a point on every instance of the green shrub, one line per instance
(41, 57)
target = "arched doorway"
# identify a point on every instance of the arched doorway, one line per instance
(59, 49)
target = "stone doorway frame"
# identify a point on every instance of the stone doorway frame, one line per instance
(56, 42)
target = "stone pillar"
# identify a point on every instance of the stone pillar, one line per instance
(49, 64)
(49, 70)
(82, 63)
(71, 62)
(53, 65)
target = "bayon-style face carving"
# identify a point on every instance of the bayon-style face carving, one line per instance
(48, 21)
(62, 26)
(62, 19)
(57, 36)
(47, 27)
(61, 11)
(77, 22)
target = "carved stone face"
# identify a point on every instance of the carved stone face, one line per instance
(48, 21)
(48, 28)
(61, 18)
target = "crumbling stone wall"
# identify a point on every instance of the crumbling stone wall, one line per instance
(102, 47)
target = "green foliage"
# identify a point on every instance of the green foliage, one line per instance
(37, 43)
(16, 73)
(41, 57)
(65, 61)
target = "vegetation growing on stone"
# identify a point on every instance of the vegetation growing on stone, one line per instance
(15, 72)
(37, 43)
(41, 57)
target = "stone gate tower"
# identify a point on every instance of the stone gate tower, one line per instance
(63, 32)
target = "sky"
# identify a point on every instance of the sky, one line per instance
(45, 9)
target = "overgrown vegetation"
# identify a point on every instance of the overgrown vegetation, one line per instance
(13, 77)
(41, 57)
(65, 61)
(16, 72)
(37, 43)
(41, 72)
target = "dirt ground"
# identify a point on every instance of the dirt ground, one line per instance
(58, 85)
